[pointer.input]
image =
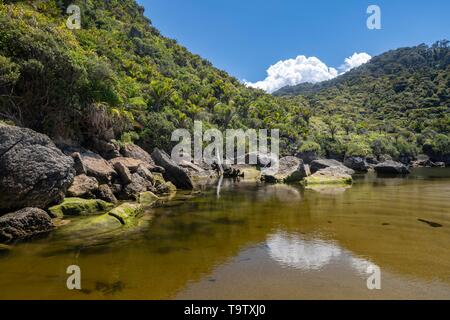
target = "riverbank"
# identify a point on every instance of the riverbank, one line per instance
(106, 191)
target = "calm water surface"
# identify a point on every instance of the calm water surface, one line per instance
(255, 241)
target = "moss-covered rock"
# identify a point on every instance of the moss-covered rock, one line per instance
(80, 207)
(126, 212)
(167, 189)
(249, 172)
(328, 176)
(5, 249)
(148, 199)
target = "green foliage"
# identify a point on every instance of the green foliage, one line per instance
(119, 78)
(403, 95)
(310, 146)
(440, 144)
(118, 74)
(358, 147)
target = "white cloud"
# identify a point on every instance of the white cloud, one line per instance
(354, 61)
(304, 69)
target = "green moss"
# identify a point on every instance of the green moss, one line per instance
(148, 199)
(327, 180)
(80, 207)
(126, 213)
(159, 179)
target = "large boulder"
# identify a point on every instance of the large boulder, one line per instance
(97, 167)
(320, 164)
(329, 176)
(25, 223)
(173, 172)
(358, 164)
(391, 167)
(83, 187)
(80, 207)
(290, 170)
(307, 156)
(33, 172)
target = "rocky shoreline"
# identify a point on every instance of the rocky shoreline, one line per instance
(44, 186)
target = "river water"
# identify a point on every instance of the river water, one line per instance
(256, 241)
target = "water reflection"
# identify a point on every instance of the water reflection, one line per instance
(291, 250)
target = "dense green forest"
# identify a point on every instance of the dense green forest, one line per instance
(398, 103)
(118, 78)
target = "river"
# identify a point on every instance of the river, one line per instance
(257, 241)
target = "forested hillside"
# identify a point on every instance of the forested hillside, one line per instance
(399, 101)
(119, 78)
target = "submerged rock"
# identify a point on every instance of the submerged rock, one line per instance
(317, 165)
(126, 212)
(166, 188)
(173, 172)
(329, 176)
(5, 249)
(83, 187)
(290, 170)
(24, 223)
(80, 207)
(33, 172)
(391, 167)
(249, 172)
(148, 199)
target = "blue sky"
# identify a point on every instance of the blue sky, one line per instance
(245, 37)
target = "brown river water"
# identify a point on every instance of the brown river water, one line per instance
(257, 241)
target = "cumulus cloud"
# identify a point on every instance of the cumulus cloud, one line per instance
(354, 61)
(304, 69)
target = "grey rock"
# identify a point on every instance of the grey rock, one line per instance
(391, 167)
(107, 149)
(145, 173)
(130, 150)
(124, 172)
(25, 223)
(78, 164)
(83, 187)
(308, 156)
(33, 172)
(105, 193)
(97, 167)
(131, 191)
(357, 163)
(320, 164)
(290, 170)
(173, 172)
